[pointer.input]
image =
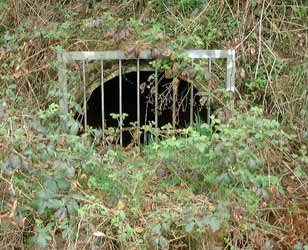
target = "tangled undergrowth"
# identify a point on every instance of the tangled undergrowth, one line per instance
(239, 188)
(240, 185)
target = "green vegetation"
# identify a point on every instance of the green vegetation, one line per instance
(240, 184)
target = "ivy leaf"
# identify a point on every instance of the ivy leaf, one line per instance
(214, 224)
(45, 194)
(50, 184)
(154, 241)
(51, 150)
(298, 246)
(54, 204)
(298, 172)
(43, 236)
(73, 128)
(166, 226)
(156, 230)
(72, 206)
(164, 243)
(223, 212)
(6, 165)
(63, 170)
(164, 154)
(63, 184)
(201, 147)
(39, 205)
(61, 213)
(211, 221)
(11, 164)
(189, 227)
(15, 162)
(42, 239)
(203, 221)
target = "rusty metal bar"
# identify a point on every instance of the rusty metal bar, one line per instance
(138, 99)
(120, 102)
(84, 95)
(103, 101)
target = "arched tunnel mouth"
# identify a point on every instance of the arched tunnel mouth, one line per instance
(147, 103)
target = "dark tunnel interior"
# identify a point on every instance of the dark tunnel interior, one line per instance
(129, 102)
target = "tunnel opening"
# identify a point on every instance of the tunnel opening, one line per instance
(147, 103)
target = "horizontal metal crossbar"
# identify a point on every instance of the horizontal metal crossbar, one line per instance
(143, 54)
(228, 54)
(119, 55)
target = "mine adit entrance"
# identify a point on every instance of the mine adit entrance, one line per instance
(157, 102)
(166, 95)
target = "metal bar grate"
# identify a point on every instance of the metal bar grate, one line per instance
(138, 100)
(143, 55)
(156, 101)
(103, 101)
(208, 101)
(191, 112)
(84, 94)
(120, 102)
(102, 56)
(174, 97)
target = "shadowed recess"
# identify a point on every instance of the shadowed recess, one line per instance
(147, 102)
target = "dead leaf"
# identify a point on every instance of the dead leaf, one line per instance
(290, 190)
(133, 247)
(21, 223)
(142, 87)
(148, 207)
(243, 73)
(146, 187)
(17, 74)
(139, 229)
(120, 205)
(99, 234)
(211, 207)
(74, 186)
(13, 207)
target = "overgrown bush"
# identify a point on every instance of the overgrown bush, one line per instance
(240, 185)
(203, 188)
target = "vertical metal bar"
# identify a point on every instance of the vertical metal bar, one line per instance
(191, 104)
(84, 94)
(63, 86)
(156, 99)
(208, 101)
(103, 101)
(120, 102)
(210, 68)
(230, 71)
(208, 108)
(138, 100)
(232, 80)
(174, 104)
(230, 77)
(191, 99)
(145, 122)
